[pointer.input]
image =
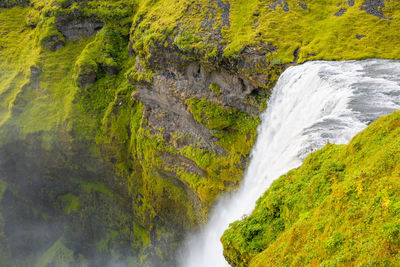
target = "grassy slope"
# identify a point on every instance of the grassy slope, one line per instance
(105, 113)
(341, 207)
(314, 30)
(33, 108)
(16, 56)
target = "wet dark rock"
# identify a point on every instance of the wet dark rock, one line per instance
(13, 3)
(285, 7)
(296, 55)
(74, 26)
(225, 13)
(176, 79)
(53, 42)
(110, 69)
(282, 3)
(34, 80)
(374, 7)
(230, 184)
(35, 72)
(166, 96)
(359, 37)
(340, 12)
(189, 165)
(302, 4)
(86, 79)
(244, 161)
(350, 2)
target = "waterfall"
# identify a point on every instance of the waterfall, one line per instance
(312, 104)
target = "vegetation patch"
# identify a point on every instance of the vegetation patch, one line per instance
(338, 208)
(299, 31)
(66, 68)
(58, 254)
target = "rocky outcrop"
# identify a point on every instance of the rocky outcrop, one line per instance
(73, 26)
(86, 78)
(53, 42)
(13, 3)
(166, 94)
(374, 7)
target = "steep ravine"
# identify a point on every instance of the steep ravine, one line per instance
(132, 117)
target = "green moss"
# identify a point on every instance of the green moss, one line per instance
(12, 3)
(186, 42)
(98, 121)
(3, 187)
(70, 203)
(212, 115)
(16, 55)
(88, 186)
(58, 255)
(339, 207)
(139, 77)
(236, 133)
(199, 31)
(49, 37)
(105, 53)
(215, 89)
(315, 31)
(40, 103)
(112, 126)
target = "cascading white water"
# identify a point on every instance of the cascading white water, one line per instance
(311, 105)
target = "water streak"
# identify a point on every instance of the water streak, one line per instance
(311, 105)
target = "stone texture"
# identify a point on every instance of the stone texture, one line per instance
(13, 3)
(374, 7)
(75, 26)
(340, 12)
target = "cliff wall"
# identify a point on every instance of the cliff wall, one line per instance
(128, 118)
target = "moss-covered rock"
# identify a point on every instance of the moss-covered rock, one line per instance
(13, 3)
(165, 95)
(338, 208)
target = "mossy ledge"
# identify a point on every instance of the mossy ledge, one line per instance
(149, 108)
(340, 208)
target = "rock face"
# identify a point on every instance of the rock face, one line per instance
(171, 87)
(374, 7)
(74, 29)
(165, 94)
(87, 78)
(13, 3)
(54, 42)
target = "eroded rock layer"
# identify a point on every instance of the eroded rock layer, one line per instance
(145, 111)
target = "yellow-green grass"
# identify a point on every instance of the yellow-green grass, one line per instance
(16, 56)
(58, 255)
(315, 31)
(340, 208)
(33, 104)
